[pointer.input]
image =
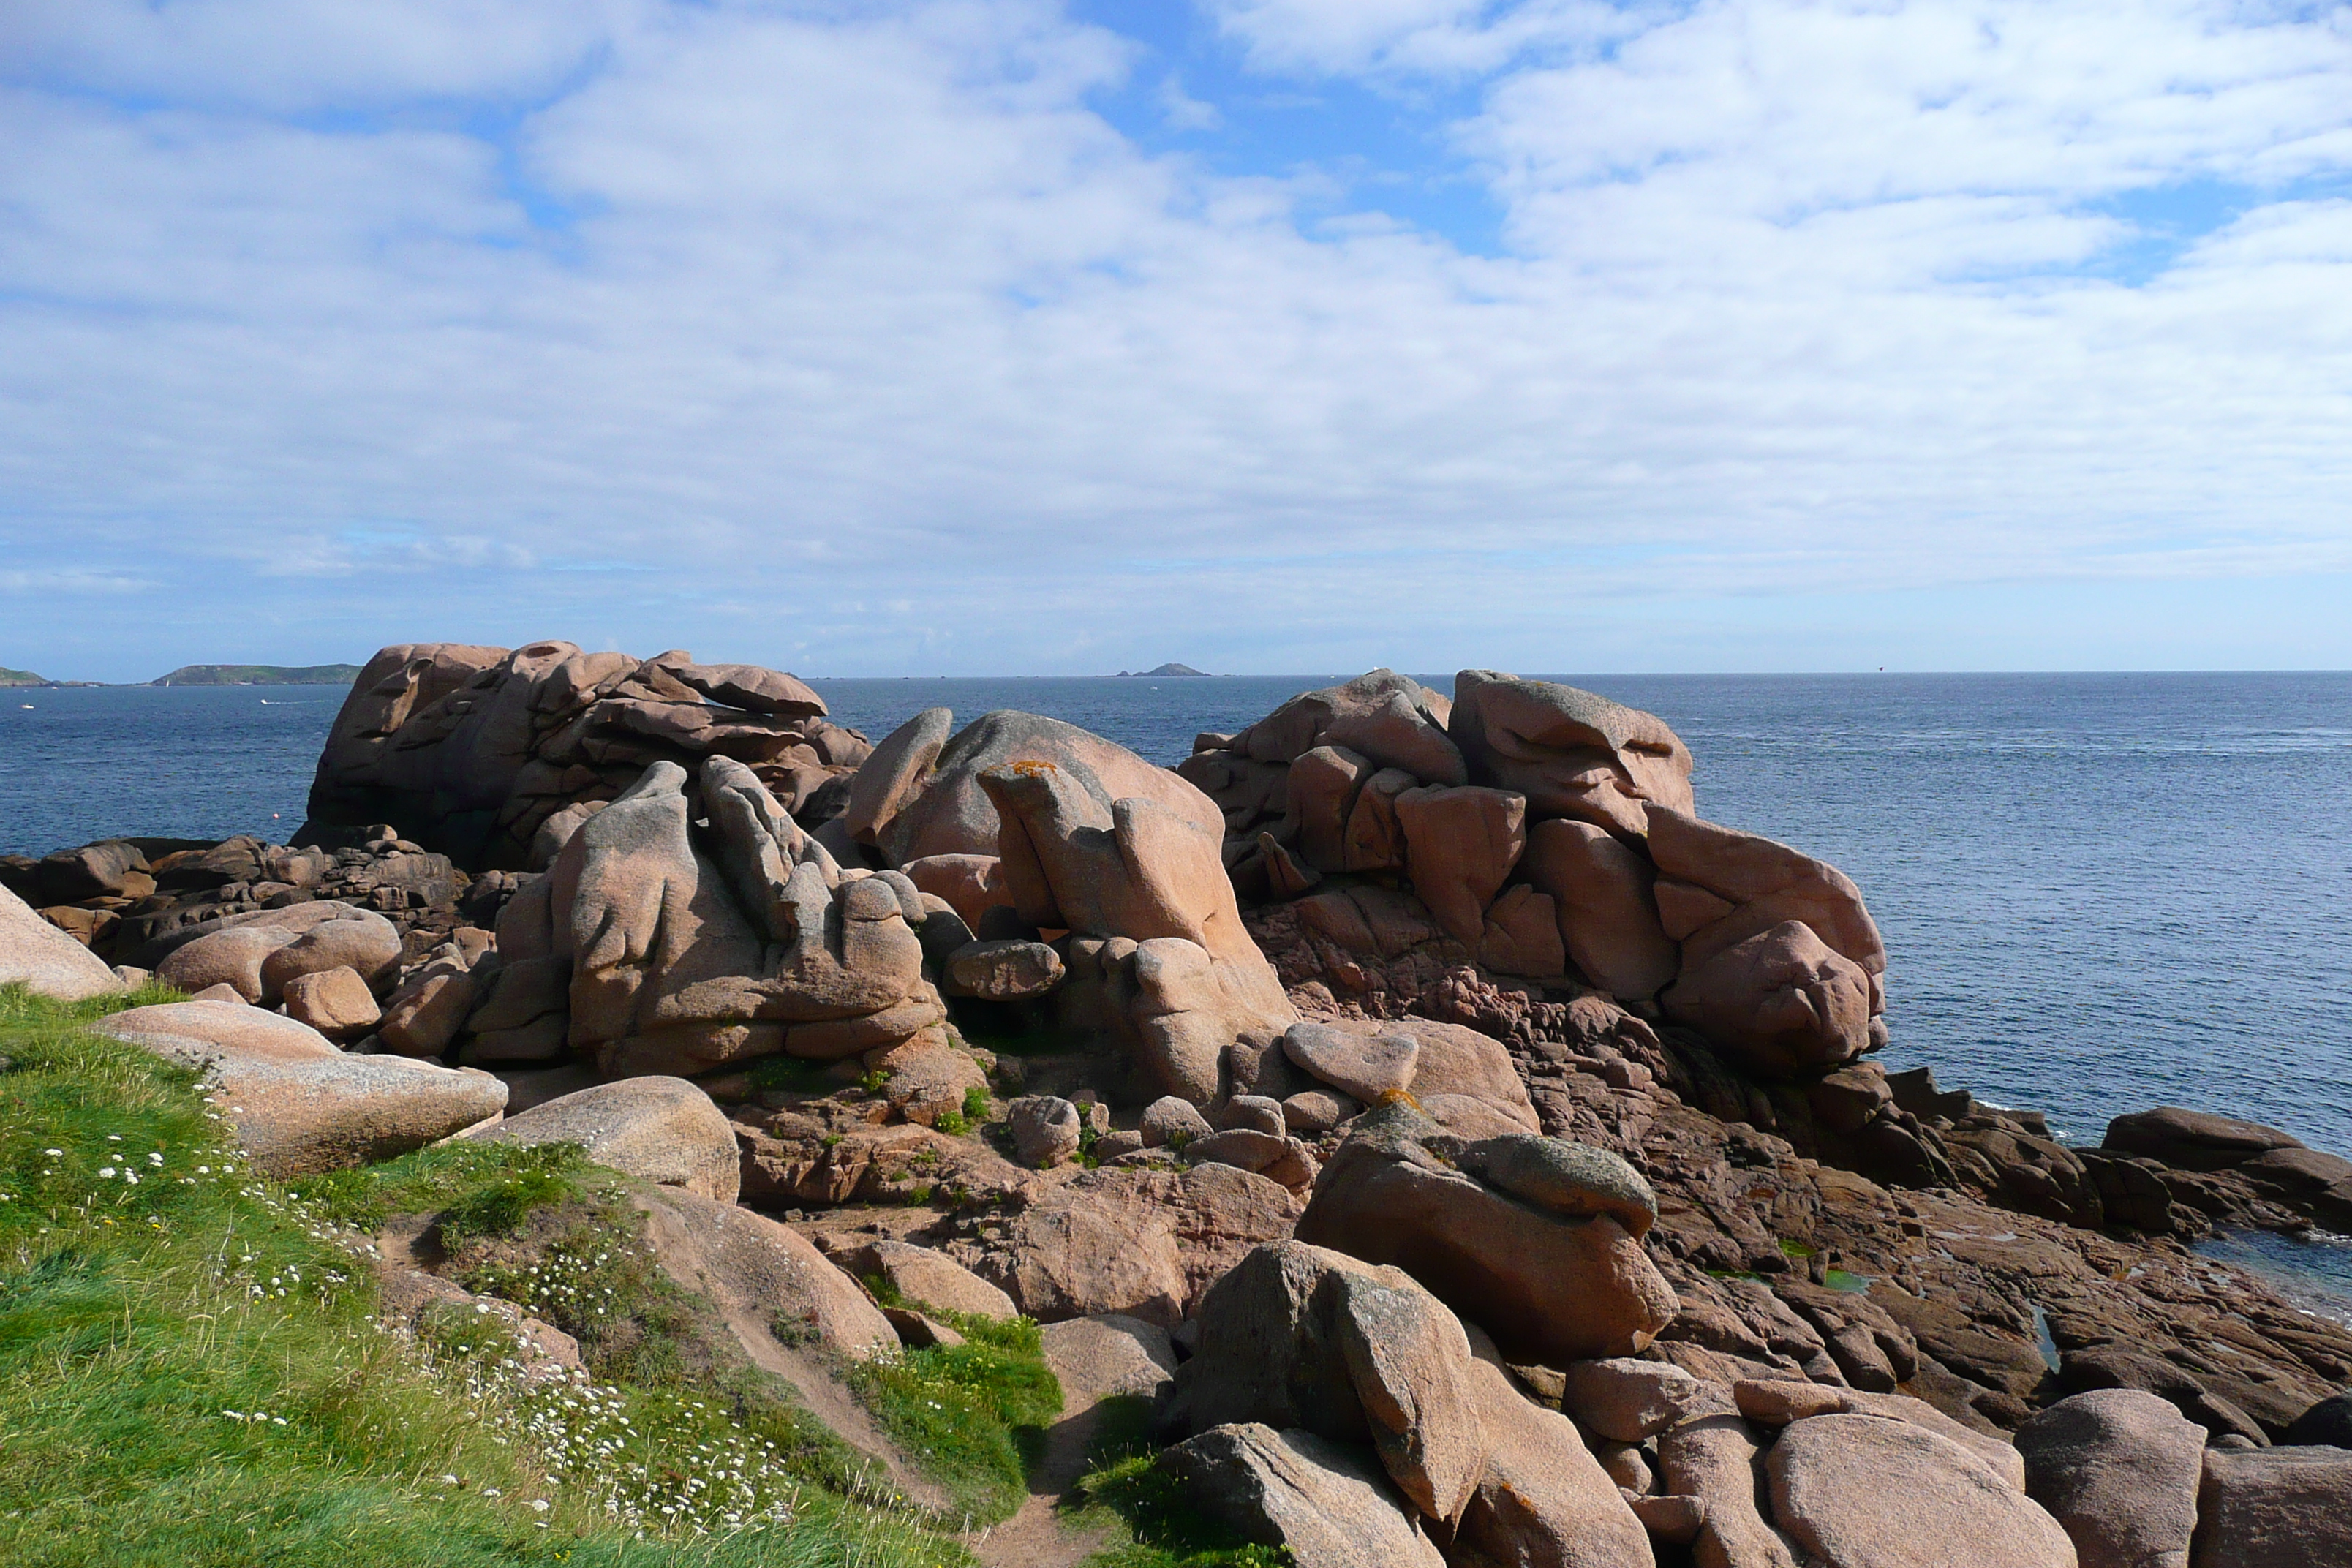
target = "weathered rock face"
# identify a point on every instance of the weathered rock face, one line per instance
(1542, 1498)
(1297, 1336)
(1565, 848)
(922, 794)
(1536, 1240)
(1157, 948)
(2278, 1508)
(472, 750)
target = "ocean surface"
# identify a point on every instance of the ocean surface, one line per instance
(2098, 893)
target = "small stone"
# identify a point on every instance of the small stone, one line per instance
(1046, 1129)
(1173, 1120)
(1256, 1112)
(335, 1002)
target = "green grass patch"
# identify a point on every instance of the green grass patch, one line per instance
(971, 1416)
(190, 1375)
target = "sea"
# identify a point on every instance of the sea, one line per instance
(2098, 893)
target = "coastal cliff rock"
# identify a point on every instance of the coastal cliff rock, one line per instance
(1497, 1141)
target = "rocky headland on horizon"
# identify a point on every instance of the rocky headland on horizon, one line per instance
(1472, 1153)
(212, 675)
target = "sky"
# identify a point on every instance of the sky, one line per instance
(1030, 337)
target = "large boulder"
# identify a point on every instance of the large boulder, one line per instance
(1109, 1357)
(1302, 1336)
(1781, 1001)
(1390, 720)
(45, 961)
(1455, 1074)
(300, 1106)
(1326, 1502)
(231, 952)
(1717, 887)
(2118, 1469)
(1571, 752)
(1536, 1240)
(1860, 1492)
(659, 1130)
(1145, 1243)
(1776, 1401)
(2274, 1508)
(927, 1278)
(1461, 844)
(1717, 1460)
(921, 795)
(2193, 1140)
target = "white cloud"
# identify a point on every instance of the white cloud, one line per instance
(802, 306)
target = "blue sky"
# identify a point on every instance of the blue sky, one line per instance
(1267, 336)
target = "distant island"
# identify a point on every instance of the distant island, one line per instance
(260, 675)
(20, 677)
(1163, 669)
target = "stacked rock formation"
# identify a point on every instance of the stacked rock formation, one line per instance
(474, 751)
(1540, 832)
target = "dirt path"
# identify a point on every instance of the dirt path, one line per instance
(1035, 1536)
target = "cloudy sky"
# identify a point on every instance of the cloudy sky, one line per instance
(1269, 335)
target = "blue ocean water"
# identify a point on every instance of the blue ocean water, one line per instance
(2099, 893)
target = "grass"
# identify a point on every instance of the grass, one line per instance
(973, 1416)
(190, 1374)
